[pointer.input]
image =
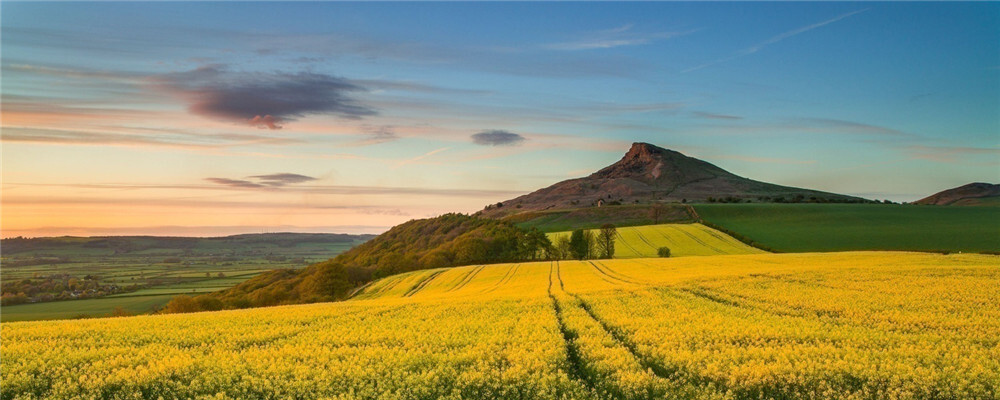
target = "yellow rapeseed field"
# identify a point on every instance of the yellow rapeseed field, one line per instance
(682, 240)
(860, 325)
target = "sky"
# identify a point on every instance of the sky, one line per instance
(203, 119)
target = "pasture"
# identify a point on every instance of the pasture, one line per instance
(840, 227)
(148, 271)
(856, 325)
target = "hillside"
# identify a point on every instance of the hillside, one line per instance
(843, 227)
(651, 174)
(682, 239)
(841, 325)
(594, 217)
(973, 194)
(445, 241)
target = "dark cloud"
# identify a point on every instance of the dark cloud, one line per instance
(236, 183)
(262, 181)
(282, 179)
(497, 138)
(264, 99)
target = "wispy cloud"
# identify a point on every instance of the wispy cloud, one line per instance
(614, 37)
(282, 179)
(263, 99)
(497, 138)
(419, 158)
(236, 183)
(376, 134)
(950, 153)
(136, 137)
(847, 127)
(304, 189)
(262, 181)
(774, 39)
(709, 115)
(763, 160)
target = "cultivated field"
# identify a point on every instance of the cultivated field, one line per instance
(158, 267)
(682, 240)
(839, 227)
(866, 325)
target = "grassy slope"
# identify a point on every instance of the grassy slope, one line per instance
(682, 239)
(838, 227)
(594, 217)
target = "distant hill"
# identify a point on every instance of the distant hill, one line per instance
(973, 194)
(651, 174)
(131, 244)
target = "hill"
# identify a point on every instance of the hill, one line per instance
(594, 217)
(842, 227)
(650, 174)
(682, 239)
(973, 194)
(766, 326)
(445, 241)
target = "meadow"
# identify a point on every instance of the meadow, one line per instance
(594, 217)
(682, 240)
(840, 227)
(857, 325)
(157, 268)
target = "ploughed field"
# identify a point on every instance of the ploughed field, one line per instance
(861, 325)
(681, 239)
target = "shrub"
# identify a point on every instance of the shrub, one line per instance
(663, 251)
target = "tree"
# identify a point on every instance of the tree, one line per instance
(181, 304)
(580, 244)
(663, 252)
(591, 239)
(537, 244)
(656, 212)
(606, 241)
(563, 247)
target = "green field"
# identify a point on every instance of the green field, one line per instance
(839, 227)
(594, 217)
(157, 267)
(82, 308)
(681, 239)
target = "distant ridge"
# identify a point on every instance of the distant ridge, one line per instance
(977, 193)
(652, 174)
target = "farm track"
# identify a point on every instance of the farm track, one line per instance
(576, 369)
(420, 285)
(506, 278)
(468, 278)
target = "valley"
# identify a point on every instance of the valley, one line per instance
(44, 278)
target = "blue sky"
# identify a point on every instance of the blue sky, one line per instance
(164, 117)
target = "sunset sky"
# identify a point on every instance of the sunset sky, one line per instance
(220, 118)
